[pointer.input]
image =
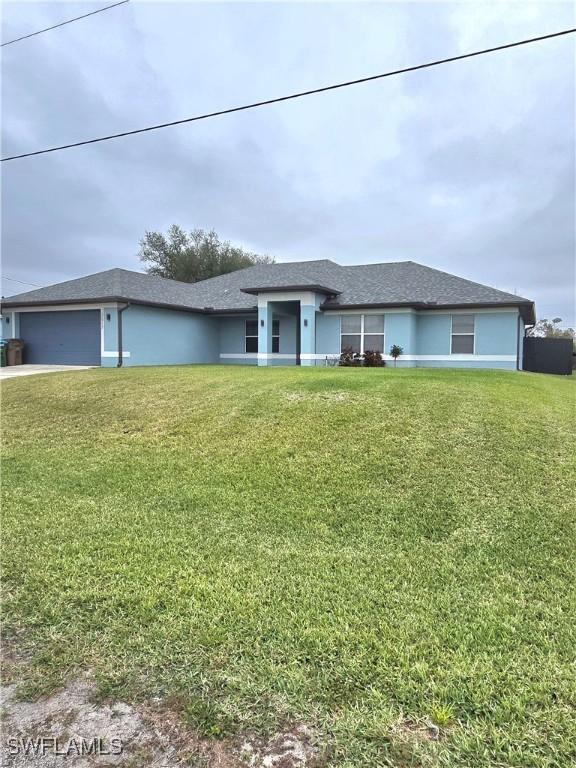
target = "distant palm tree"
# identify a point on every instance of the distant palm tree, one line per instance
(395, 352)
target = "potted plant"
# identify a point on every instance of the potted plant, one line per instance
(395, 352)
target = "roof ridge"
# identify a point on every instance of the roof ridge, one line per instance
(380, 264)
(224, 274)
(147, 274)
(304, 261)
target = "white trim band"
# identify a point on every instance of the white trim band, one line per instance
(256, 356)
(335, 355)
(411, 358)
(459, 358)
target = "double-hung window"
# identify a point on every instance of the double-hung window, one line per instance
(362, 333)
(275, 336)
(462, 335)
(251, 336)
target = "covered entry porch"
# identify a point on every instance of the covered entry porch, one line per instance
(286, 329)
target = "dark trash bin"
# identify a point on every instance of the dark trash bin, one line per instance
(3, 345)
(15, 348)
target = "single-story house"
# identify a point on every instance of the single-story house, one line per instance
(299, 313)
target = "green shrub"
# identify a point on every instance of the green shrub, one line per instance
(350, 359)
(373, 359)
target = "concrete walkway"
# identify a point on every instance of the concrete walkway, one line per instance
(11, 371)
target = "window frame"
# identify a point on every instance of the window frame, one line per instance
(452, 334)
(362, 334)
(250, 336)
(275, 336)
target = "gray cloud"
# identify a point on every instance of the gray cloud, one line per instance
(468, 167)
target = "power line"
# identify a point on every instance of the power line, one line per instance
(292, 96)
(63, 23)
(15, 280)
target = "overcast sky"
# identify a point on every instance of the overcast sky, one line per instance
(468, 167)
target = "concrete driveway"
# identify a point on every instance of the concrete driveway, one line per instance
(11, 371)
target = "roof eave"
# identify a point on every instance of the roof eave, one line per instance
(371, 305)
(6, 304)
(281, 288)
(231, 311)
(526, 308)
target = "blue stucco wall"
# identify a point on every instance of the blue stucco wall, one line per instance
(400, 328)
(496, 333)
(10, 325)
(432, 334)
(231, 332)
(164, 337)
(428, 333)
(110, 327)
(327, 334)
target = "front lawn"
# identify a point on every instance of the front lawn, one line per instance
(368, 552)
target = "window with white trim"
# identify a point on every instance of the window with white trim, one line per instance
(251, 336)
(275, 336)
(462, 335)
(251, 344)
(362, 333)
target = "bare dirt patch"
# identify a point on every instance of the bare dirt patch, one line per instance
(292, 749)
(69, 728)
(87, 734)
(421, 730)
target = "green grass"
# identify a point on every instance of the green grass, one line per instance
(345, 548)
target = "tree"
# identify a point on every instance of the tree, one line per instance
(395, 352)
(550, 329)
(193, 256)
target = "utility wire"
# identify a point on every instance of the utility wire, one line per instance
(292, 96)
(14, 280)
(63, 23)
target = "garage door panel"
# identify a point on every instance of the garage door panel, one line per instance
(61, 338)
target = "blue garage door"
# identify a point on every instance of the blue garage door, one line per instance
(61, 338)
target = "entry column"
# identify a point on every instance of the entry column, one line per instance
(307, 334)
(264, 332)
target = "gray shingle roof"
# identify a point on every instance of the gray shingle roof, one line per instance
(113, 284)
(227, 292)
(407, 281)
(392, 283)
